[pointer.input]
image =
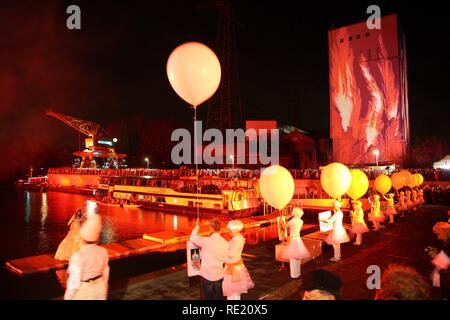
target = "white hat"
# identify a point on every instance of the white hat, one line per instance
(297, 212)
(235, 225)
(91, 229)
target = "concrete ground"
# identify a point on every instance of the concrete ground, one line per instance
(403, 243)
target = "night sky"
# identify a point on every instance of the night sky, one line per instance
(113, 70)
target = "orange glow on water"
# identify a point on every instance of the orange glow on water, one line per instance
(44, 217)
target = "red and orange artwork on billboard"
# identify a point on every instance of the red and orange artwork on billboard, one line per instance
(368, 93)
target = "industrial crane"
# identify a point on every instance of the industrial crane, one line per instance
(91, 129)
(98, 144)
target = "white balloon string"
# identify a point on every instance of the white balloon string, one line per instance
(195, 159)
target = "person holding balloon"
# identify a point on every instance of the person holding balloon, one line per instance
(277, 187)
(398, 183)
(402, 204)
(383, 184)
(390, 211)
(415, 199)
(409, 203)
(338, 234)
(358, 224)
(375, 214)
(358, 188)
(421, 196)
(336, 179)
(295, 251)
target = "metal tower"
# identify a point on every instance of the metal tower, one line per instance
(225, 108)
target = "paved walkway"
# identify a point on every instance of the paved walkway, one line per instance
(403, 242)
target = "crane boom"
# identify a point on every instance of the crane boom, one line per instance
(88, 128)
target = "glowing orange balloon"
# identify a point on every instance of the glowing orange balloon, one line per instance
(335, 179)
(359, 185)
(409, 178)
(421, 179)
(194, 72)
(397, 181)
(383, 184)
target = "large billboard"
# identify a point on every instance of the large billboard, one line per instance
(368, 93)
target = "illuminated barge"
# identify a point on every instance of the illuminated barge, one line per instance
(232, 198)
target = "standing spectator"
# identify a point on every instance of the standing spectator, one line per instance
(321, 285)
(436, 175)
(214, 254)
(402, 283)
(89, 268)
(441, 259)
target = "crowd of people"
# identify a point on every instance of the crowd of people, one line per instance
(437, 194)
(184, 171)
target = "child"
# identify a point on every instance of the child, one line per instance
(295, 250)
(390, 211)
(421, 197)
(338, 235)
(409, 203)
(236, 279)
(402, 202)
(375, 214)
(415, 199)
(358, 224)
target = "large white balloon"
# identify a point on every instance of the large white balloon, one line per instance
(276, 186)
(194, 72)
(336, 179)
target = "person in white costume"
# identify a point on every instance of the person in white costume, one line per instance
(295, 250)
(338, 235)
(358, 224)
(236, 280)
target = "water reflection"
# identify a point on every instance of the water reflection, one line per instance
(44, 217)
(42, 236)
(27, 207)
(44, 210)
(108, 232)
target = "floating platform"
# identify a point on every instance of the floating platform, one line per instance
(160, 241)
